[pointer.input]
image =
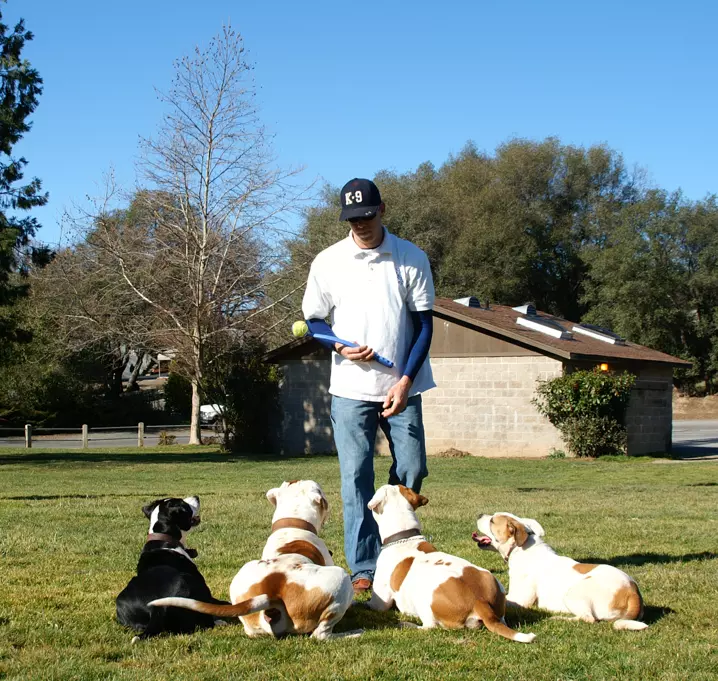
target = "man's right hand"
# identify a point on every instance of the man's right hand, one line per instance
(360, 354)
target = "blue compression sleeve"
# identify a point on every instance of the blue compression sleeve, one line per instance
(420, 341)
(320, 326)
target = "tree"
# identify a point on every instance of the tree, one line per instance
(508, 227)
(20, 87)
(208, 240)
(654, 278)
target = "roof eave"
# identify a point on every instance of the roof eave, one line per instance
(450, 315)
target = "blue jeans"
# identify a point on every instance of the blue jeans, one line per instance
(355, 425)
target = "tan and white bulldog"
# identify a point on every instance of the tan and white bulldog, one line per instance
(438, 588)
(539, 576)
(306, 592)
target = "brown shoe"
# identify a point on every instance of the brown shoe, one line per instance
(361, 585)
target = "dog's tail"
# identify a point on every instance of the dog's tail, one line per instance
(631, 610)
(240, 609)
(496, 625)
(629, 625)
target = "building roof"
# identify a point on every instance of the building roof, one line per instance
(500, 321)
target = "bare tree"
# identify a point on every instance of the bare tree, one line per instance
(218, 211)
(195, 253)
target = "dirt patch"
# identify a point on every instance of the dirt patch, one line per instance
(690, 408)
(452, 453)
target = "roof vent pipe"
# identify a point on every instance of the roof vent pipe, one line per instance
(528, 309)
(471, 301)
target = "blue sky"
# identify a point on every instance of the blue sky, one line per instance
(353, 88)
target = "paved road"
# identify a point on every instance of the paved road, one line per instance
(99, 439)
(696, 440)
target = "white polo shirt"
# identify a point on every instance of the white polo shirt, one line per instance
(369, 294)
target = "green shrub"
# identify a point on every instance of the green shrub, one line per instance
(178, 396)
(589, 409)
(248, 389)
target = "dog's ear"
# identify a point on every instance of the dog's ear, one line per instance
(518, 531)
(272, 495)
(318, 499)
(412, 497)
(533, 526)
(148, 508)
(193, 503)
(377, 502)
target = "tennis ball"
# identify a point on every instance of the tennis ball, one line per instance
(299, 329)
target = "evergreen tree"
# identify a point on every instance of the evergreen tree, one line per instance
(20, 87)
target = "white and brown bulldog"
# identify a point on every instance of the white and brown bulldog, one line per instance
(304, 592)
(438, 588)
(539, 576)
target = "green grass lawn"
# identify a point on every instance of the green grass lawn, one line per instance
(71, 530)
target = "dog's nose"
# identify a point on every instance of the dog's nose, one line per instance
(481, 515)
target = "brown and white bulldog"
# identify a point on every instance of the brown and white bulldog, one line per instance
(539, 576)
(438, 588)
(306, 592)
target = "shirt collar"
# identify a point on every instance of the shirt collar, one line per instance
(386, 247)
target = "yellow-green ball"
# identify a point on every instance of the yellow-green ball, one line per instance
(299, 329)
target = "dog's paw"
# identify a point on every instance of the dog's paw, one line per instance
(408, 625)
(135, 639)
(220, 623)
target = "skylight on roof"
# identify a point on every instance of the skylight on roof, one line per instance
(544, 325)
(599, 333)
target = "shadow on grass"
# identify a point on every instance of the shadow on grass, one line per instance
(359, 616)
(650, 558)
(133, 458)
(517, 617)
(55, 497)
(654, 613)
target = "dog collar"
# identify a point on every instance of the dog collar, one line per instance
(297, 523)
(400, 536)
(160, 536)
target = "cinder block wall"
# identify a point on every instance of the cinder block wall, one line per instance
(483, 405)
(649, 417)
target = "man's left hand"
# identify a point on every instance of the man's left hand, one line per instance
(396, 398)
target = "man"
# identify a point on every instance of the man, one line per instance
(378, 291)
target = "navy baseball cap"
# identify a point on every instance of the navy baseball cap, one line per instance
(360, 199)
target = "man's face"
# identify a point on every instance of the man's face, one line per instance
(368, 232)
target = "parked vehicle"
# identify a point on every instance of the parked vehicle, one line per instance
(209, 413)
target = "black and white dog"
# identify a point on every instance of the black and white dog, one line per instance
(166, 569)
